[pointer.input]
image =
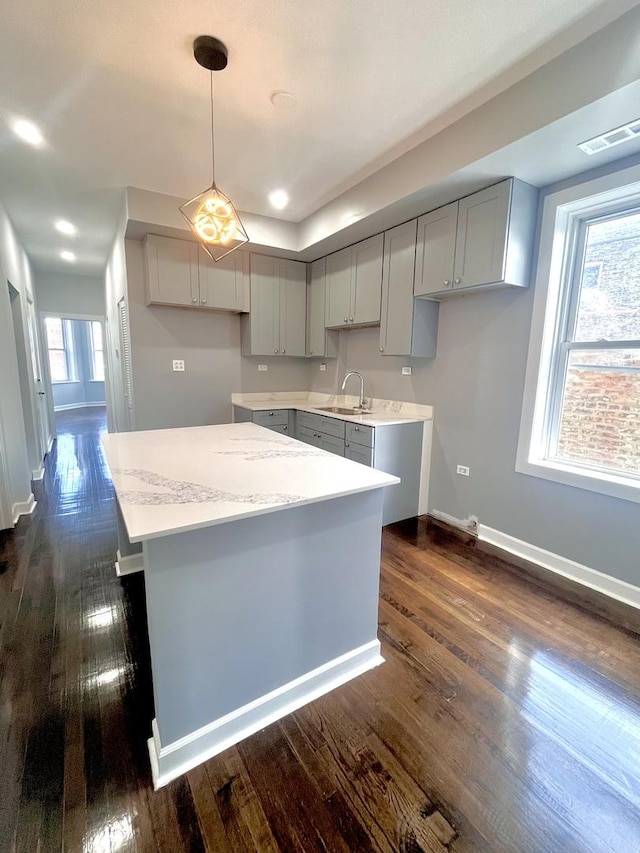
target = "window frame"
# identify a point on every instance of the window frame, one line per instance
(94, 349)
(565, 216)
(67, 348)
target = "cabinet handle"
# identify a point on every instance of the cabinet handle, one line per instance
(195, 299)
(270, 414)
(351, 319)
(275, 350)
(285, 428)
(310, 352)
(204, 301)
(356, 429)
(381, 349)
(346, 319)
(346, 445)
(446, 282)
(283, 351)
(457, 280)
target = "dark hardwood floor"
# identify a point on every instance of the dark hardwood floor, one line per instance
(504, 718)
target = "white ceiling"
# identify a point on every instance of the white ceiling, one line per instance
(122, 102)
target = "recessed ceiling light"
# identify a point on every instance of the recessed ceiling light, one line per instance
(65, 227)
(283, 101)
(67, 256)
(279, 199)
(28, 132)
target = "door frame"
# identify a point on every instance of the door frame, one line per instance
(6, 520)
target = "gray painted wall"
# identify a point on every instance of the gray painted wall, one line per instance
(15, 469)
(209, 343)
(476, 384)
(84, 390)
(62, 293)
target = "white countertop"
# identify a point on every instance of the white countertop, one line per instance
(174, 480)
(381, 412)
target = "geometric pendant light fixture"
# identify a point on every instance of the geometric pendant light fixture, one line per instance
(211, 214)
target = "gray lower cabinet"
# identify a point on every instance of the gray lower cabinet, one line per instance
(479, 242)
(394, 448)
(279, 420)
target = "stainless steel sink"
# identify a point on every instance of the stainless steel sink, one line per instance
(338, 411)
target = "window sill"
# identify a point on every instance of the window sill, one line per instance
(581, 478)
(65, 382)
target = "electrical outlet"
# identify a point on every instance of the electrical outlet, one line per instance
(323, 367)
(406, 371)
(463, 469)
(178, 364)
(262, 368)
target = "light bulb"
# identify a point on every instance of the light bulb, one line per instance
(214, 221)
(279, 199)
(65, 227)
(28, 132)
(67, 256)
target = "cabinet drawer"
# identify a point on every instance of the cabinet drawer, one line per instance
(308, 421)
(272, 417)
(359, 434)
(332, 426)
(283, 428)
(308, 435)
(359, 453)
(332, 444)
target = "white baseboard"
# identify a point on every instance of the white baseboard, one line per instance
(620, 590)
(38, 473)
(175, 759)
(23, 508)
(130, 564)
(66, 406)
(469, 525)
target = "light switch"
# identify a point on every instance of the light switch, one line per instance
(178, 364)
(262, 368)
(323, 367)
(406, 371)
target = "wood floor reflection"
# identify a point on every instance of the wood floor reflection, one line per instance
(504, 718)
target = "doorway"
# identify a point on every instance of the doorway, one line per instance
(76, 365)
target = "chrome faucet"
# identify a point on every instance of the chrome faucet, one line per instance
(362, 404)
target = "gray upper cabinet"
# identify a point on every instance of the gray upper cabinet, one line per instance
(482, 241)
(435, 250)
(171, 271)
(407, 326)
(354, 283)
(276, 324)
(179, 272)
(224, 285)
(320, 342)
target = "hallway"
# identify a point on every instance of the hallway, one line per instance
(504, 719)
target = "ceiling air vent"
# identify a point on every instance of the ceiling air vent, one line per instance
(611, 138)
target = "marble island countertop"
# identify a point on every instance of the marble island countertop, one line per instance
(380, 412)
(174, 480)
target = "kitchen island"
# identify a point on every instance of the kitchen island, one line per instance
(261, 559)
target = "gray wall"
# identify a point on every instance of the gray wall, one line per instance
(15, 468)
(209, 343)
(476, 384)
(62, 293)
(84, 390)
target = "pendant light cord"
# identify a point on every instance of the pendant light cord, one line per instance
(213, 149)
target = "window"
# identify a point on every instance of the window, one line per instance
(60, 347)
(581, 412)
(97, 352)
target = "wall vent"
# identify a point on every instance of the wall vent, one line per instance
(611, 138)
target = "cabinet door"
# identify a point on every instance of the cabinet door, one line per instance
(308, 435)
(316, 331)
(171, 268)
(332, 444)
(435, 250)
(396, 323)
(265, 306)
(338, 284)
(222, 284)
(483, 220)
(366, 280)
(358, 453)
(293, 306)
